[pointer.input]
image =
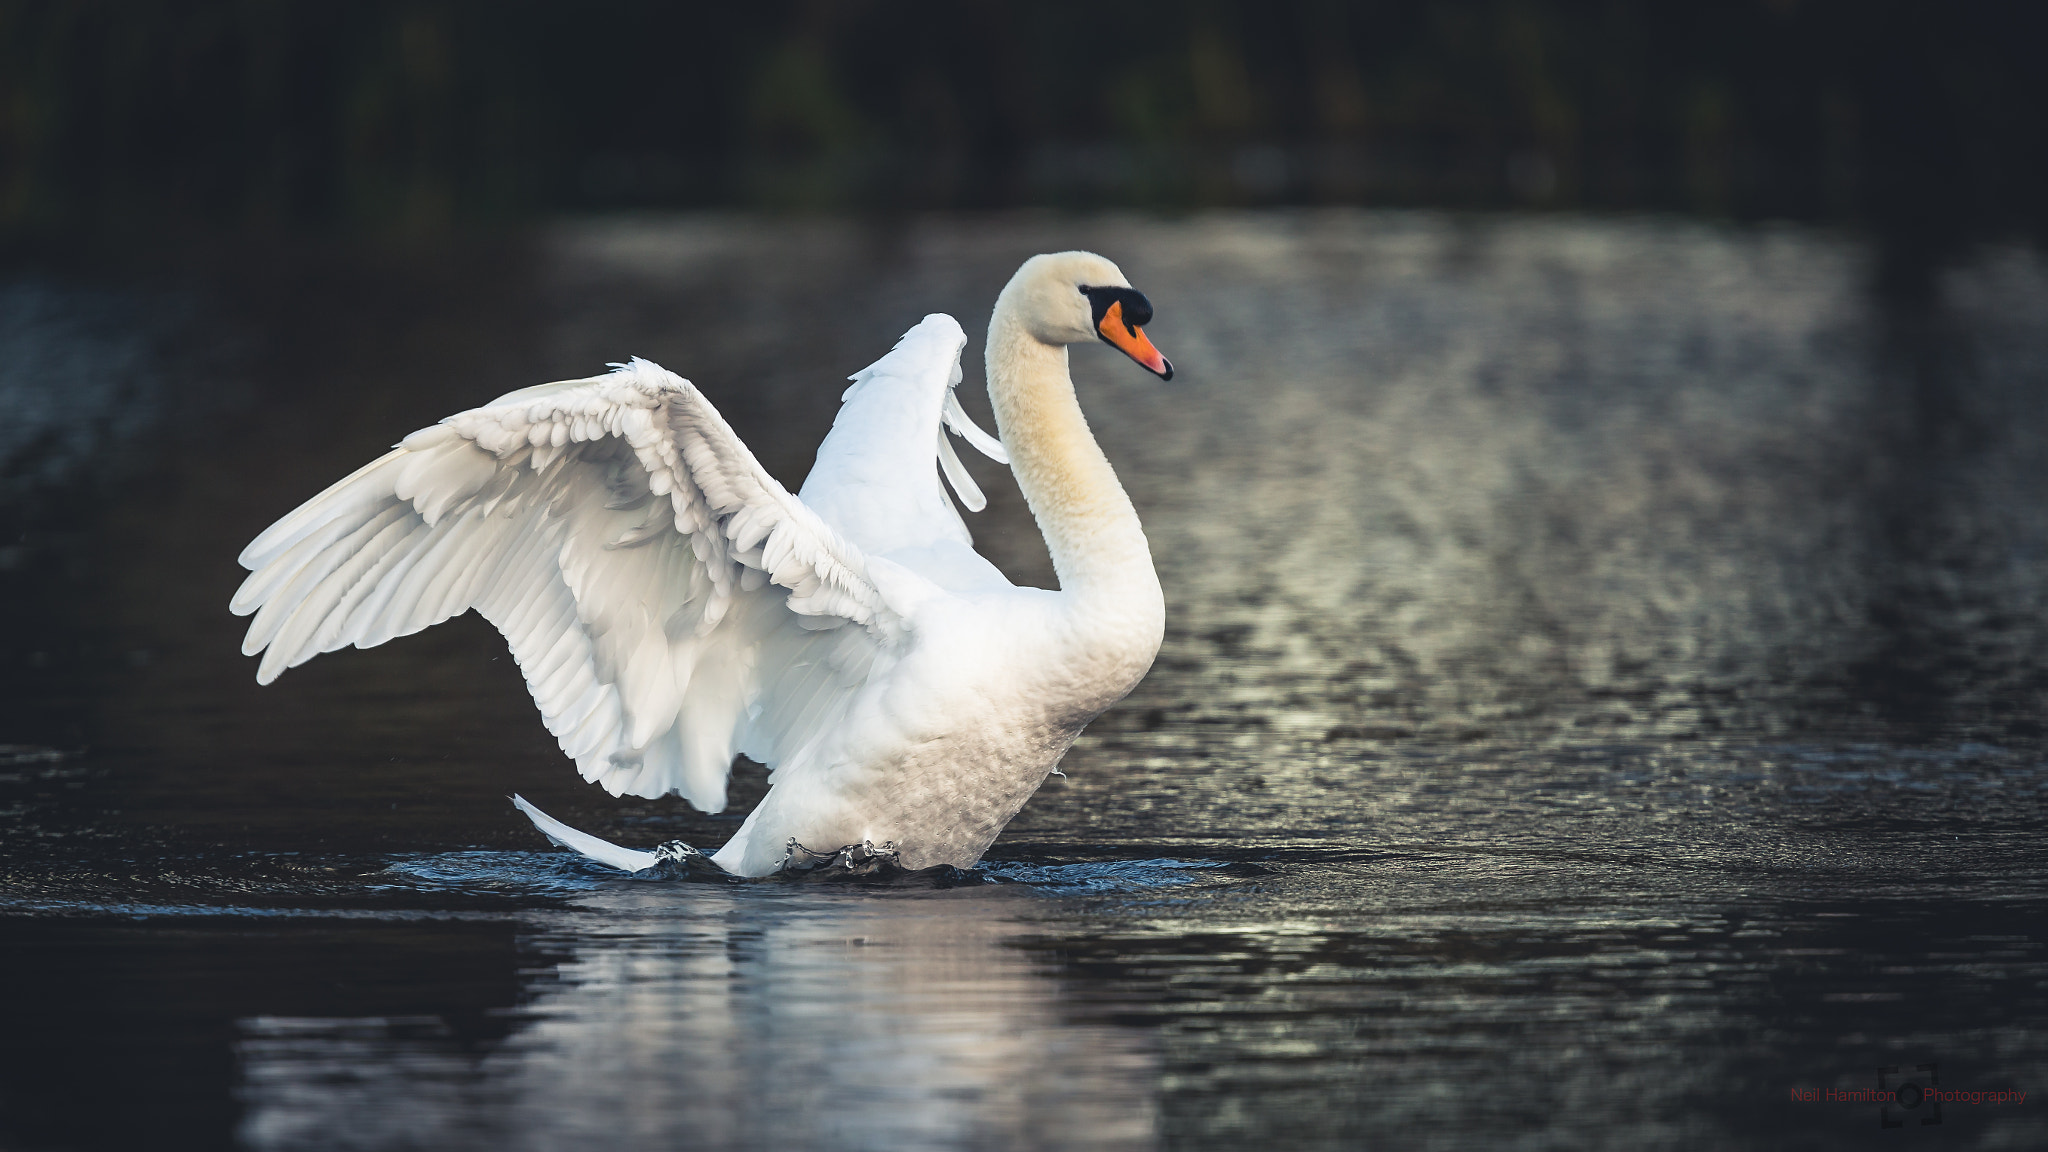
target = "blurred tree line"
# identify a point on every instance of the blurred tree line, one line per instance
(127, 117)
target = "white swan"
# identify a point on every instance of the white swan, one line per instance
(671, 604)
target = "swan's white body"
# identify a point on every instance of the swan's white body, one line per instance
(672, 605)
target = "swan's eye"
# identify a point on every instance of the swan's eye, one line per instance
(1137, 311)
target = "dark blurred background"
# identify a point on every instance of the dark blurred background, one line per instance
(125, 118)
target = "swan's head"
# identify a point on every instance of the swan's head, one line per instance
(1075, 297)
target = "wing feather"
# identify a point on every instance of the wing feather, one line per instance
(668, 602)
(348, 499)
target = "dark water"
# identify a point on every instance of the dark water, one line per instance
(1602, 695)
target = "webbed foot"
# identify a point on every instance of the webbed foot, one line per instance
(862, 859)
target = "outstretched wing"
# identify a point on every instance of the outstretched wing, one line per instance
(669, 602)
(875, 479)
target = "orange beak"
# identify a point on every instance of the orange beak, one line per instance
(1132, 341)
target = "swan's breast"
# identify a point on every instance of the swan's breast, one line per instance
(991, 692)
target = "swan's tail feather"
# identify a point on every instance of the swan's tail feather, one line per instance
(602, 851)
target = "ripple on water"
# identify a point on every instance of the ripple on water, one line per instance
(537, 874)
(1104, 875)
(544, 874)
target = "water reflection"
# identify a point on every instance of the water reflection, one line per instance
(732, 1021)
(1625, 996)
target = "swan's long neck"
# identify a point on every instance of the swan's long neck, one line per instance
(1098, 547)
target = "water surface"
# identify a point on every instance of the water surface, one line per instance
(1601, 695)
